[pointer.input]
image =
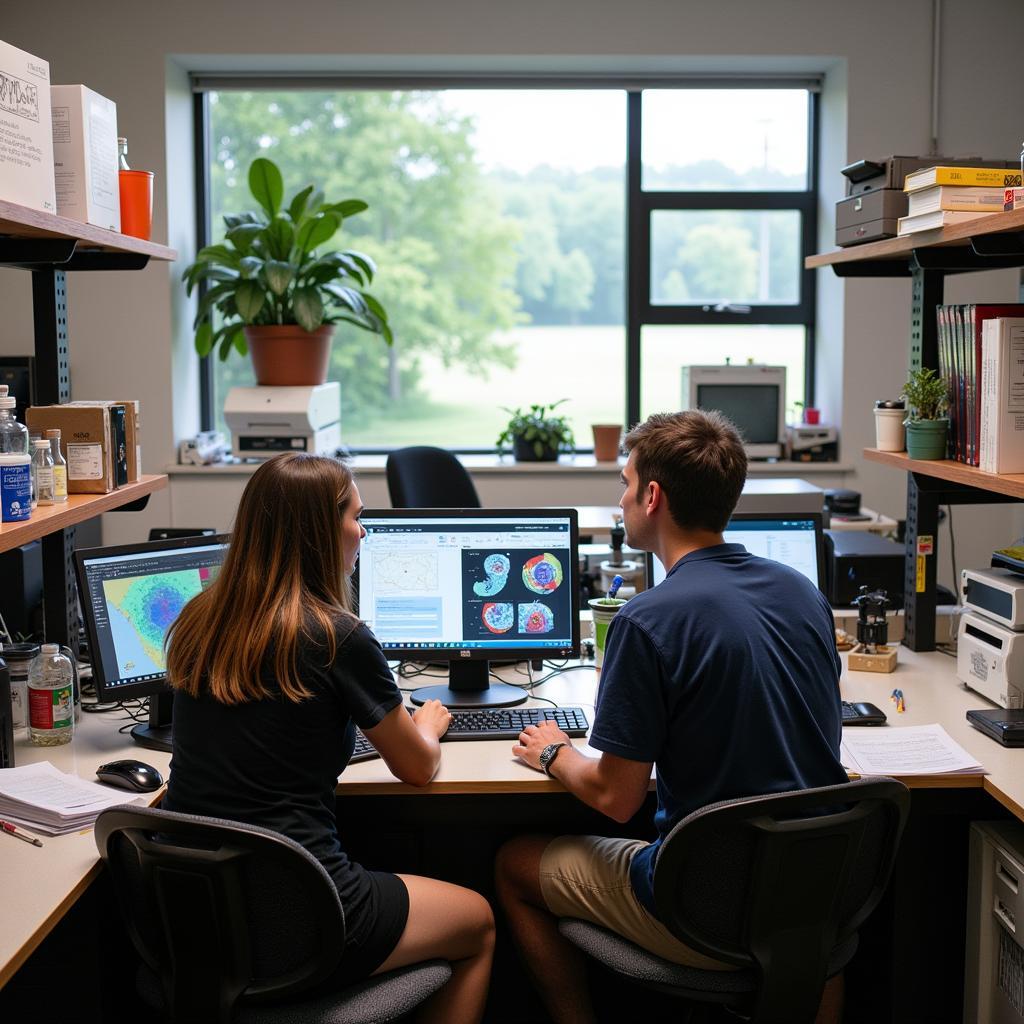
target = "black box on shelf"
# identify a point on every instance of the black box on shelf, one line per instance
(855, 559)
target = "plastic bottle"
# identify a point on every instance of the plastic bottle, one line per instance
(51, 700)
(60, 467)
(15, 464)
(42, 472)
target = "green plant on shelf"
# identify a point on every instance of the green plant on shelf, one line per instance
(543, 432)
(926, 396)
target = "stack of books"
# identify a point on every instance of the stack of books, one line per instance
(938, 196)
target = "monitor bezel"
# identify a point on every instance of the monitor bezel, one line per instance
(742, 517)
(460, 654)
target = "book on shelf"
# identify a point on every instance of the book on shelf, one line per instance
(1001, 442)
(936, 219)
(962, 198)
(997, 177)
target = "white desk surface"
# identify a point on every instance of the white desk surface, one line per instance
(41, 884)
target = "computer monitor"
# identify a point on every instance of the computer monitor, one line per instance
(796, 539)
(130, 596)
(464, 586)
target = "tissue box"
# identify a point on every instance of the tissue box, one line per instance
(26, 134)
(85, 441)
(85, 156)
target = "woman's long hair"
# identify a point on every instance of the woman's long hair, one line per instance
(282, 581)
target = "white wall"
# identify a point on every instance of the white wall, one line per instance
(129, 332)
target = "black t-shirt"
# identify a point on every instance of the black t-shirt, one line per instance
(275, 762)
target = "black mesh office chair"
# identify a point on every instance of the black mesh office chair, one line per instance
(776, 885)
(425, 477)
(232, 920)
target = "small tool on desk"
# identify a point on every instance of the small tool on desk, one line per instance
(897, 699)
(614, 588)
(12, 830)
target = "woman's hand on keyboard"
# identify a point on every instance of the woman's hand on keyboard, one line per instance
(434, 717)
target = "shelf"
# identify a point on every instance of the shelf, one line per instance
(896, 249)
(23, 223)
(946, 469)
(49, 519)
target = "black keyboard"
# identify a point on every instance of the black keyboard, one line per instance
(364, 749)
(508, 723)
(862, 713)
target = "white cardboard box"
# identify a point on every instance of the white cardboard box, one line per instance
(85, 156)
(26, 133)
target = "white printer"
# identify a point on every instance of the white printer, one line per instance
(265, 421)
(990, 644)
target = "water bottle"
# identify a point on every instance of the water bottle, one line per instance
(42, 472)
(51, 697)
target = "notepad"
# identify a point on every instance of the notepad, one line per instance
(906, 750)
(47, 800)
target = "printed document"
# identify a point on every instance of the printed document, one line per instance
(905, 750)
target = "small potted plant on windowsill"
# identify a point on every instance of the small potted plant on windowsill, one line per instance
(927, 425)
(537, 435)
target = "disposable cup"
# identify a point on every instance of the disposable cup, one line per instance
(603, 609)
(890, 434)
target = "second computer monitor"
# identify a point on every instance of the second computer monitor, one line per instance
(465, 586)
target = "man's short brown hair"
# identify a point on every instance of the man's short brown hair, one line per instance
(697, 457)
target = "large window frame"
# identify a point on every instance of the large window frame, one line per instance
(640, 207)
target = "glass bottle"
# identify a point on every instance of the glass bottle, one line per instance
(51, 702)
(13, 435)
(42, 472)
(15, 464)
(122, 154)
(60, 467)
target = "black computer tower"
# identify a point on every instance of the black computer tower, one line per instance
(855, 559)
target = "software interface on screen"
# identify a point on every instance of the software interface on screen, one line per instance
(483, 584)
(791, 540)
(134, 598)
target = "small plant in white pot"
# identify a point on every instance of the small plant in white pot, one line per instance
(927, 424)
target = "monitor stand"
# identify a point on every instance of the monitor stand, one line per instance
(156, 734)
(470, 687)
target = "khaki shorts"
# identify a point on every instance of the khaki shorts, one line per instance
(587, 877)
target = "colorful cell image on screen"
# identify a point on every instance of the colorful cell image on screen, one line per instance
(536, 617)
(497, 567)
(498, 616)
(543, 573)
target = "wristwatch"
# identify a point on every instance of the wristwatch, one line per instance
(548, 755)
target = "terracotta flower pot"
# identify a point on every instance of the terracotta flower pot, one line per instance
(285, 355)
(606, 441)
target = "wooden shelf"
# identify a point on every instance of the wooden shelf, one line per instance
(901, 248)
(79, 507)
(22, 222)
(947, 469)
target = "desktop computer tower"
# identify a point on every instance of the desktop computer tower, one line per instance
(21, 595)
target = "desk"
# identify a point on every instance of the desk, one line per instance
(40, 885)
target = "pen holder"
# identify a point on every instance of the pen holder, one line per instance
(136, 189)
(604, 609)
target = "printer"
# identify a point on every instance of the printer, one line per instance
(265, 421)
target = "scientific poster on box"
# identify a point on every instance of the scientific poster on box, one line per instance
(26, 131)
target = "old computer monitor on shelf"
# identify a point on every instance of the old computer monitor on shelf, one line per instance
(130, 596)
(468, 586)
(797, 539)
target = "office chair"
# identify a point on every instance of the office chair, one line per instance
(231, 920)
(425, 477)
(776, 885)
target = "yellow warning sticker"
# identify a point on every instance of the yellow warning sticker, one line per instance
(925, 544)
(920, 574)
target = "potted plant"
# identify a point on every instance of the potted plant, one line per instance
(272, 290)
(927, 426)
(537, 435)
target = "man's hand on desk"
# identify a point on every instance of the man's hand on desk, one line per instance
(534, 738)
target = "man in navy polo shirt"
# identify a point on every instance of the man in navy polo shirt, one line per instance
(725, 676)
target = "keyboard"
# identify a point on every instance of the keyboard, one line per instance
(862, 713)
(491, 724)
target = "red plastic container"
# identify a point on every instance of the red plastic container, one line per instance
(136, 188)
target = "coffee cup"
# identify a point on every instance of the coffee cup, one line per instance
(890, 433)
(603, 609)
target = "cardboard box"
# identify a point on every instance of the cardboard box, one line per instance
(26, 132)
(85, 160)
(133, 446)
(84, 441)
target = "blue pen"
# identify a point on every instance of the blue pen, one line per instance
(614, 588)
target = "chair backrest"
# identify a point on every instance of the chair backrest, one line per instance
(778, 883)
(217, 908)
(425, 477)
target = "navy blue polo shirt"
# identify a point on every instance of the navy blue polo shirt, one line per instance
(726, 676)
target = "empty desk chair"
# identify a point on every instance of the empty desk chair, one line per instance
(762, 884)
(231, 920)
(425, 477)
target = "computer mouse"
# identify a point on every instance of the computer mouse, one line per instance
(135, 775)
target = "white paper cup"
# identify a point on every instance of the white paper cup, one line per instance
(890, 433)
(604, 609)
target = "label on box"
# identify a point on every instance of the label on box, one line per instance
(925, 544)
(85, 462)
(1013, 199)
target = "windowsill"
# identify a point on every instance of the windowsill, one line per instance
(372, 465)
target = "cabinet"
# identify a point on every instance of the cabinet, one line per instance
(989, 243)
(49, 247)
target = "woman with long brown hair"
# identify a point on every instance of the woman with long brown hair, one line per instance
(272, 671)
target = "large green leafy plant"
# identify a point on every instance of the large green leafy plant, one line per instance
(270, 269)
(539, 428)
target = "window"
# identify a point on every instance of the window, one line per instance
(520, 258)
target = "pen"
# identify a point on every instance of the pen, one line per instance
(897, 699)
(12, 830)
(614, 588)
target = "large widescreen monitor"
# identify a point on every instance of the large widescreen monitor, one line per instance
(796, 539)
(130, 596)
(467, 586)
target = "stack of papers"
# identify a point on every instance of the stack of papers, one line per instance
(905, 750)
(51, 802)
